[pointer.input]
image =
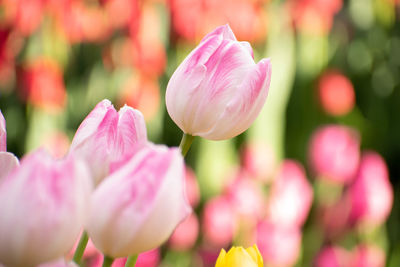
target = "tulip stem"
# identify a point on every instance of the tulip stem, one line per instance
(81, 248)
(186, 142)
(107, 261)
(131, 261)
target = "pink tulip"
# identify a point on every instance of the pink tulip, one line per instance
(334, 153)
(218, 90)
(185, 235)
(139, 205)
(291, 195)
(43, 207)
(279, 245)
(3, 133)
(219, 222)
(107, 135)
(371, 193)
(368, 256)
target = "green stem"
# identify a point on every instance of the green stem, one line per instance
(107, 261)
(131, 261)
(81, 248)
(186, 142)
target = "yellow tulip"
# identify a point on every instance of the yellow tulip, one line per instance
(240, 257)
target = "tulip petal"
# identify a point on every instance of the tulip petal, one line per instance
(3, 133)
(130, 121)
(140, 204)
(255, 255)
(238, 256)
(245, 106)
(221, 259)
(7, 163)
(225, 31)
(91, 123)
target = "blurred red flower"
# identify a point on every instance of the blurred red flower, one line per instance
(193, 19)
(336, 93)
(42, 85)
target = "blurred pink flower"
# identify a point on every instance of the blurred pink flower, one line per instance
(371, 193)
(219, 222)
(336, 93)
(106, 135)
(246, 198)
(366, 255)
(291, 196)
(332, 256)
(334, 153)
(144, 194)
(258, 160)
(218, 90)
(45, 201)
(192, 187)
(185, 235)
(279, 245)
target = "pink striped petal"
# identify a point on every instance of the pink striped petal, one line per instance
(3, 133)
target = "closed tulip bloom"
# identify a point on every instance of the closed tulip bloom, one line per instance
(140, 204)
(218, 90)
(43, 207)
(3, 133)
(240, 257)
(107, 135)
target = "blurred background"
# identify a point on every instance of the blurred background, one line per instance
(314, 181)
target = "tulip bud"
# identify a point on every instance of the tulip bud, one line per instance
(240, 257)
(218, 90)
(139, 205)
(3, 133)
(335, 153)
(107, 135)
(43, 207)
(371, 193)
